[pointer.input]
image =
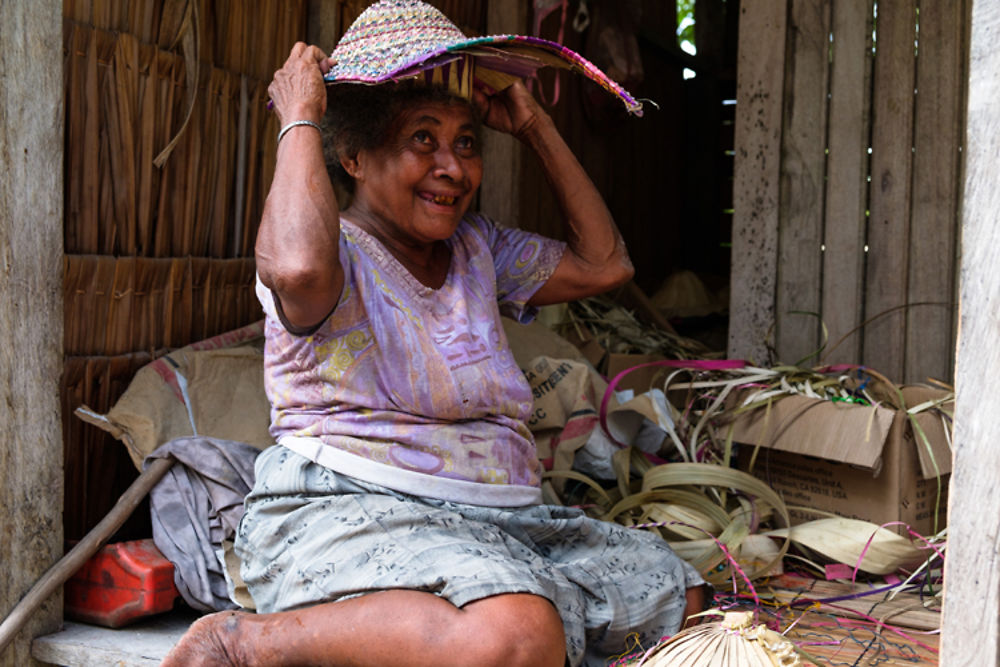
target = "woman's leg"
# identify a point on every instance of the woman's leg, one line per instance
(400, 627)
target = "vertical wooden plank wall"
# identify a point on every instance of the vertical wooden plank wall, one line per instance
(759, 94)
(866, 226)
(970, 631)
(939, 126)
(847, 180)
(31, 151)
(803, 161)
(889, 191)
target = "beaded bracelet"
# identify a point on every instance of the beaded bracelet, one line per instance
(294, 123)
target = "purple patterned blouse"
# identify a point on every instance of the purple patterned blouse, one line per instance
(415, 388)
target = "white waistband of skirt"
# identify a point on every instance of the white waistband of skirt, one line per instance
(408, 481)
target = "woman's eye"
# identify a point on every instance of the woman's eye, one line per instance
(466, 143)
(422, 136)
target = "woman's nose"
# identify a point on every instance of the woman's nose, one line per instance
(448, 164)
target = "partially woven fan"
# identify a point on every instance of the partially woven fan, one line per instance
(732, 642)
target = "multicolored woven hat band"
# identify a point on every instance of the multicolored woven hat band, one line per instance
(405, 39)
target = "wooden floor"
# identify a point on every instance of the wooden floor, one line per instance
(870, 630)
(143, 644)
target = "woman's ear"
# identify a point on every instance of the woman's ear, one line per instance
(352, 165)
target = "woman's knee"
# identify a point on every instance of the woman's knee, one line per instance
(517, 630)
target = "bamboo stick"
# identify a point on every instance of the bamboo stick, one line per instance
(78, 555)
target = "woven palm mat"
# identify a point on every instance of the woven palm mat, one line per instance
(867, 630)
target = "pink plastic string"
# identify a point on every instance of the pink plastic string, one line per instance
(909, 530)
(542, 10)
(693, 364)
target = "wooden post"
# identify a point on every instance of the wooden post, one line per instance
(756, 177)
(971, 621)
(31, 308)
(500, 194)
(322, 24)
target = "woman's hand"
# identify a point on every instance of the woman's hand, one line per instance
(298, 91)
(596, 259)
(513, 110)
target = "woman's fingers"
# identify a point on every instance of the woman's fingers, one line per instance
(297, 90)
(512, 110)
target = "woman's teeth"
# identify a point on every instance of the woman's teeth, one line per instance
(442, 199)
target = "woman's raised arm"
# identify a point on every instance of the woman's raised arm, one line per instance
(596, 260)
(297, 243)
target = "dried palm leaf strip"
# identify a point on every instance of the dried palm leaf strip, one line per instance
(198, 325)
(189, 38)
(149, 115)
(170, 83)
(87, 287)
(152, 283)
(120, 308)
(124, 147)
(618, 330)
(179, 304)
(687, 502)
(189, 182)
(860, 544)
(81, 94)
(226, 112)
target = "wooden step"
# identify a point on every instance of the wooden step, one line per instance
(142, 644)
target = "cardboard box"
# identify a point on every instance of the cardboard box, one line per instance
(855, 461)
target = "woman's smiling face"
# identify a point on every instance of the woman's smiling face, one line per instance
(419, 183)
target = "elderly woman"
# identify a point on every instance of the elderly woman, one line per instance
(399, 519)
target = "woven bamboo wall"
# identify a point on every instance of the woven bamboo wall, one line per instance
(848, 142)
(159, 252)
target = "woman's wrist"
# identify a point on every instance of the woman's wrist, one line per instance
(291, 125)
(539, 131)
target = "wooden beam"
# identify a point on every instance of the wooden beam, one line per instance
(322, 24)
(500, 194)
(756, 177)
(31, 308)
(971, 621)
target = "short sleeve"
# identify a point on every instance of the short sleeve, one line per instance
(266, 298)
(524, 261)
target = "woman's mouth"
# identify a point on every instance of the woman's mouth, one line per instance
(443, 200)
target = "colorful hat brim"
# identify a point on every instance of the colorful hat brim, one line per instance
(498, 61)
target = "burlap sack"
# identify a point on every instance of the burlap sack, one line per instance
(568, 398)
(212, 388)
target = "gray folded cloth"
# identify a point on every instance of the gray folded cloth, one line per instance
(196, 506)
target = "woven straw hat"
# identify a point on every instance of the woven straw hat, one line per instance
(405, 39)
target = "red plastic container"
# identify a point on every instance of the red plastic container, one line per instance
(121, 583)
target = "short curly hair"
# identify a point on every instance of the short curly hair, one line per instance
(362, 117)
